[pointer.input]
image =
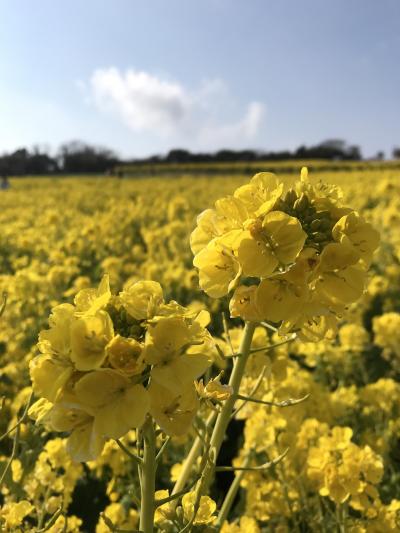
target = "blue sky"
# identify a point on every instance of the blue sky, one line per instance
(144, 76)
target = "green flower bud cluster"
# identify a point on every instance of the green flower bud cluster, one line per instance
(124, 324)
(317, 224)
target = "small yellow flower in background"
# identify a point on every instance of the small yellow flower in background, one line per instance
(353, 337)
(13, 514)
(206, 510)
(175, 471)
(246, 524)
(342, 470)
(119, 516)
(387, 335)
(72, 525)
(16, 470)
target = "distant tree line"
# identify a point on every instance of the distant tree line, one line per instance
(72, 158)
(335, 149)
(77, 157)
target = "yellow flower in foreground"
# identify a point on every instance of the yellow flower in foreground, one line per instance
(278, 299)
(173, 412)
(213, 390)
(260, 194)
(56, 340)
(125, 355)
(84, 442)
(275, 240)
(90, 335)
(163, 512)
(243, 303)
(90, 301)
(142, 299)
(205, 513)
(49, 375)
(117, 404)
(167, 348)
(206, 229)
(355, 231)
(219, 270)
(340, 281)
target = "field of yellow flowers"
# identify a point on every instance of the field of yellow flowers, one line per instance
(104, 268)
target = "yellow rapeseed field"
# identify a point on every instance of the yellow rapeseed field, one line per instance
(236, 371)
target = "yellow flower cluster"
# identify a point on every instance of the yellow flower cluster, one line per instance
(343, 471)
(387, 335)
(297, 258)
(48, 485)
(69, 233)
(108, 361)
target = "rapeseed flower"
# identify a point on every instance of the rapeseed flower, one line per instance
(108, 361)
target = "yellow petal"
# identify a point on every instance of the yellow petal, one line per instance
(218, 270)
(90, 335)
(255, 258)
(286, 235)
(100, 387)
(181, 371)
(173, 412)
(48, 376)
(142, 299)
(127, 411)
(84, 444)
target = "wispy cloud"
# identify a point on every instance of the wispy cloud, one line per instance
(166, 108)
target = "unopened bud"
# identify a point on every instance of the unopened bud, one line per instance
(324, 214)
(179, 513)
(326, 225)
(302, 203)
(290, 197)
(318, 236)
(315, 224)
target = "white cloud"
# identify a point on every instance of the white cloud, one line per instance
(165, 108)
(235, 133)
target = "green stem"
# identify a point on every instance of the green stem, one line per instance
(231, 494)
(224, 416)
(148, 478)
(191, 458)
